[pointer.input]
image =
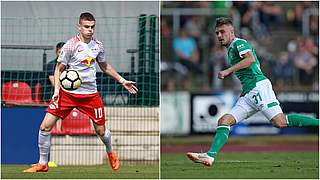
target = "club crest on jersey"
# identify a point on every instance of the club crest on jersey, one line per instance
(88, 61)
(240, 46)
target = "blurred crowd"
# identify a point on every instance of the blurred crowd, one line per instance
(192, 57)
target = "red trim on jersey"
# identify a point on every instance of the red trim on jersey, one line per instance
(99, 43)
(78, 37)
(71, 44)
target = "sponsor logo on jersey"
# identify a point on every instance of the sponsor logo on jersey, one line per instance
(240, 46)
(80, 50)
(88, 61)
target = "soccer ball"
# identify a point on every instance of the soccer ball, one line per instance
(70, 80)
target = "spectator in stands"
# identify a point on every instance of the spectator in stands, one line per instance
(186, 50)
(165, 28)
(187, 53)
(314, 28)
(298, 13)
(306, 63)
(250, 13)
(311, 46)
(193, 27)
(216, 62)
(52, 64)
(283, 69)
(270, 14)
(243, 8)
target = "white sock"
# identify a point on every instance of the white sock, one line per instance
(44, 142)
(106, 139)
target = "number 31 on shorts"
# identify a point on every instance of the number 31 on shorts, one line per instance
(98, 112)
(255, 97)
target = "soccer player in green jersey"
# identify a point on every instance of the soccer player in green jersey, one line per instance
(257, 94)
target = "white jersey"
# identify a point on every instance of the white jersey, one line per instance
(83, 57)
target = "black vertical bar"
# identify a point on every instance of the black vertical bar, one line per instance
(142, 42)
(44, 60)
(152, 42)
(142, 55)
(152, 46)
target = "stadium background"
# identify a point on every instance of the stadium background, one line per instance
(286, 39)
(29, 33)
(177, 116)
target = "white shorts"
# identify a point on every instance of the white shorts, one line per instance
(261, 98)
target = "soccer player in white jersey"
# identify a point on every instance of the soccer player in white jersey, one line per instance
(82, 53)
(257, 93)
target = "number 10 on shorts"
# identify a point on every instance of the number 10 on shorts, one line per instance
(98, 112)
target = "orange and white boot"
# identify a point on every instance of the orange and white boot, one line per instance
(113, 160)
(37, 168)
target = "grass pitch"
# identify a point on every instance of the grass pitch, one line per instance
(243, 165)
(83, 172)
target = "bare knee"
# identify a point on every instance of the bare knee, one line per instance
(48, 122)
(226, 119)
(279, 121)
(45, 128)
(100, 130)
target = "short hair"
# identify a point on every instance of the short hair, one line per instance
(223, 21)
(86, 16)
(59, 45)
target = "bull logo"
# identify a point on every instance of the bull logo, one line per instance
(88, 61)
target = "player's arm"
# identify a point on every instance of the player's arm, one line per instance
(51, 79)
(57, 72)
(247, 60)
(109, 70)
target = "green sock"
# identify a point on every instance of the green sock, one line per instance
(219, 140)
(298, 120)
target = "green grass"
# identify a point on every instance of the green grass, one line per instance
(243, 165)
(83, 172)
(205, 139)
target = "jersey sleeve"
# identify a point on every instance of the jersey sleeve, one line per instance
(65, 54)
(243, 47)
(101, 57)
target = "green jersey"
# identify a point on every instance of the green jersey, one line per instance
(248, 76)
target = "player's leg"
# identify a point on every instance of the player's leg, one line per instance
(44, 143)
(105, 136)
(221, 137)
(45, 137)
(299, 120)
(279, 121)
(93, 107)
(222, 134)
(272, 110)
(293, 120)
(239, 112)
(44, 140)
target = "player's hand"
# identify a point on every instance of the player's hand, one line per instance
(55, 98)
(224, 73)
(129, 85)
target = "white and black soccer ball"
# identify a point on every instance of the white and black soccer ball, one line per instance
(70, 80)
